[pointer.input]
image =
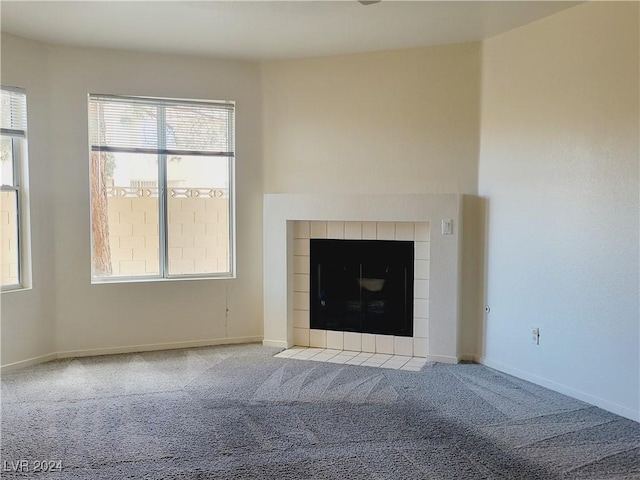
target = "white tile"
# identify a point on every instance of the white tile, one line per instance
(300, 229)
(353, 341)
(369, 230)
(422, 232)
(335, 230)
(335, 339)
(301, 337)
(364, 356)
(421, 250)
(419, 347)
(421, 269)
(315, 350)
(403, 346)
(417, 361)
(347, 354)
(354, 361)
(368, 342)
(369, 363)
(318, 229)
(300, 301)
(286, 353)
(411, 368)
(338, 359)
(421, 308)
(420, 327)
(328, 353)
(301, 318)
(333, 350)
(384, 344)
(301, 265)
(300, 282)
(392, 366)
(400, 359)
(353, 230)
(321, 357)
(318, 338)
(299, 354)
(306, 355)
(386, 231)
(381, 356)
(301, 246)
(391, 361)
(421, 288)
(404, 231)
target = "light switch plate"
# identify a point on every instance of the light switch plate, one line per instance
(447, 226)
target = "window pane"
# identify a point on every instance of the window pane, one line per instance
(124, 188)
(9, 229)
(6, 161)
(198, 214)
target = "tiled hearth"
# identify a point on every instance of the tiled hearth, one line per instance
(303, 336)
(346, 357)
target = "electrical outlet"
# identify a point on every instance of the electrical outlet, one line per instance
(535, 336)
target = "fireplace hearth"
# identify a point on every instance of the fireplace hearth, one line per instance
(363, 286)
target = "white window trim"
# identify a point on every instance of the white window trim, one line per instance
(19, 150)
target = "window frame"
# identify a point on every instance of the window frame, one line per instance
(163, 196)
(18, 139)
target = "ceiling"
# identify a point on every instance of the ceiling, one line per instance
(267, 30)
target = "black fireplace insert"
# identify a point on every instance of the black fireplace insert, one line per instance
(362, 286)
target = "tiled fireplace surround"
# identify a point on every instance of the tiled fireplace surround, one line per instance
(290, 220)
(304, 230)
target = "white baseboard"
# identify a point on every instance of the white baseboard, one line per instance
(275, 343)
(560, 388)
(157, 346)
(12, 367)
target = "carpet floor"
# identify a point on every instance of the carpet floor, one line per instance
(236, 412)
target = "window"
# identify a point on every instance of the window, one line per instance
(13, 134)
(162, 178)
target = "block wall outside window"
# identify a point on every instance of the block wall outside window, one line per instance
(198, 239)
(9, 230)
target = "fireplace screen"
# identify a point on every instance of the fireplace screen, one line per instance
(362, 286)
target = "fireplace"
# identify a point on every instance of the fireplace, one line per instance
(363, 286)
(292, 221)
(372, 301)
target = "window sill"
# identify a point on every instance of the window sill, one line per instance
(16, 288)
(120, 280)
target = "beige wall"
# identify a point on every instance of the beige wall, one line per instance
(97, 316)
(27, 317)
(401, 121)
(559, 167)
(89, 317)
